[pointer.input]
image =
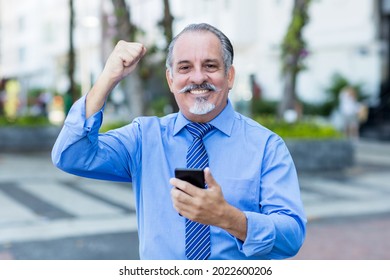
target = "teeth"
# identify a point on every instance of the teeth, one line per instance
(198, 91)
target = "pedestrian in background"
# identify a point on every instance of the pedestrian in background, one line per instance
(350, 110)
(251, 208)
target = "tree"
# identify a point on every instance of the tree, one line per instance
(166, 23)
(72, 93)
(132, 85)
(293, 53)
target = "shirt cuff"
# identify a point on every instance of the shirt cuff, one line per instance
(260, 235)
(79, 125)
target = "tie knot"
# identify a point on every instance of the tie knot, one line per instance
(199, 130)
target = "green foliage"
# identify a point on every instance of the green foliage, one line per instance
(299, 130)
(322, 109)
(112, 125)
(264, 107)
(158, 106)
(25, 121)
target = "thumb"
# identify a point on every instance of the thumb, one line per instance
(210, 181)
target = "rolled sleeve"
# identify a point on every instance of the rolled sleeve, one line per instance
(76, 127)
(260, 235)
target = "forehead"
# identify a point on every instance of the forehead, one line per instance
(197, 45)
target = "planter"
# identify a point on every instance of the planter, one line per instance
(317, 155)
(27, 139)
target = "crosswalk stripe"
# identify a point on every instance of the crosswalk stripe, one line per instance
(39, 206)
(25, 206)
(68, 228)
(335, 188)
(14, 212)
(379, 182)
(100, 196)
(70, 200)
(331, 209)
(119, 193)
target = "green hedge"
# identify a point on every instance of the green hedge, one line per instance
(112, 125)
(302, 129)
(25, 121)
(299, 130)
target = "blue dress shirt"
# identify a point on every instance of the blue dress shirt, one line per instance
(251, 164)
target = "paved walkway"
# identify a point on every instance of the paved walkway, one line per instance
(348, 211)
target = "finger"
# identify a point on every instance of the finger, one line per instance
(179, 200)
(133, 54)
(210, 181)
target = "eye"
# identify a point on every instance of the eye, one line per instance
(211, 67)
(183, 68)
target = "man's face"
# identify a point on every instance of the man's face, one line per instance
(198, 78)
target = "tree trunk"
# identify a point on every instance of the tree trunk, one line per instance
(293, 53)
(132, 85)
(289, 100)
(166, 23)
(72, 94)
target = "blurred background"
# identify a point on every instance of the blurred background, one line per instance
(293, 58)
(305, 51)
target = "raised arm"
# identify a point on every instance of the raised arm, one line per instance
(121, 62)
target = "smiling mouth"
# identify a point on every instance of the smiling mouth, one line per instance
(198, 89)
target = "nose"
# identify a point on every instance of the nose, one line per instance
(198, 76)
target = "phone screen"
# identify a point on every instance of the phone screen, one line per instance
(191, 175)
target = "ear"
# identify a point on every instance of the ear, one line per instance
(168, 76)
(231, 75)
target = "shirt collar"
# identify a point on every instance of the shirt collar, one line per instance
(223, 122)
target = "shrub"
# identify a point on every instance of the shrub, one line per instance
(301, 129)
(25, 121)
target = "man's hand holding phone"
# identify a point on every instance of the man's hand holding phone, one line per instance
(196, 203)
(207, 206)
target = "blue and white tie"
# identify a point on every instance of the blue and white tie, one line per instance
(197, 235)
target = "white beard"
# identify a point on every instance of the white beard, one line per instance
(201, 106)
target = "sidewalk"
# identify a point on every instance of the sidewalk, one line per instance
(349, 211)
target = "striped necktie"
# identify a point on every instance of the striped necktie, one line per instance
(197, 235)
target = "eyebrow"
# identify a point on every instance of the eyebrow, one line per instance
(205, 61)
(183, 62)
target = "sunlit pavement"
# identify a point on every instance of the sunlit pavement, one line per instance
(48, 214)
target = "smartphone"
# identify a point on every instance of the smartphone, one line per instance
(191, 175)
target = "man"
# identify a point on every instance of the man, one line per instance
(251, 208)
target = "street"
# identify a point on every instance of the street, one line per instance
(48, 214)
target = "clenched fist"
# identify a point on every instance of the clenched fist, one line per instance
(121, 62)
(123, 59)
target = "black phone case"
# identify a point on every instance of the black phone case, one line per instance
(191, 175)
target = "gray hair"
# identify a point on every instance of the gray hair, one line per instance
(227, 48)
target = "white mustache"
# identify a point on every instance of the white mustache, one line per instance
(206, 86)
